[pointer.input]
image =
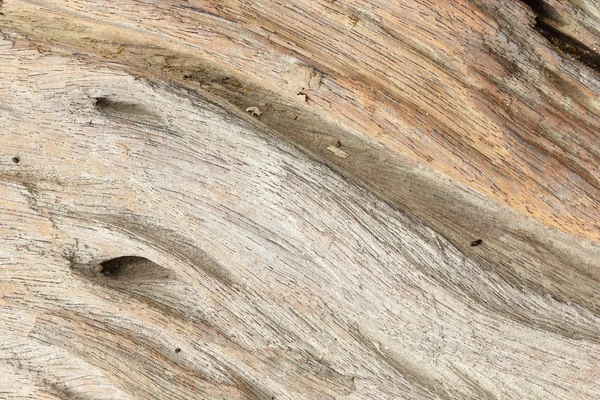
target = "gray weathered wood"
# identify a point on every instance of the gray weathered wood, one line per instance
(281, 253)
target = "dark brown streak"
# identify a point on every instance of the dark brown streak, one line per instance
(547, 21)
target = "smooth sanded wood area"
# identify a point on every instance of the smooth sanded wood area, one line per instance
(303, 199)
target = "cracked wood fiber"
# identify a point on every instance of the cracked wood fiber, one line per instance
(409, 209)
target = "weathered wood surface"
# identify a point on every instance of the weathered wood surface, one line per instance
(337, 268)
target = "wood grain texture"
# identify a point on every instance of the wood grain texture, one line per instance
(473, 91)
(262, 263)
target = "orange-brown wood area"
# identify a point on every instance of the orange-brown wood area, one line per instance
(343, 199)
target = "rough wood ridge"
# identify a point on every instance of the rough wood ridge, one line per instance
(325, 199)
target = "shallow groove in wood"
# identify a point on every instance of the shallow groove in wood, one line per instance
(272, 274)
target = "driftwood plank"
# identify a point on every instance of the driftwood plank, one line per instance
(470, 88)
(325, 199)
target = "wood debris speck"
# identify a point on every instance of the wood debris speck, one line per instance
(338, 152)
(254, 111)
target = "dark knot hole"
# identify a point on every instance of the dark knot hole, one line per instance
(133, 268)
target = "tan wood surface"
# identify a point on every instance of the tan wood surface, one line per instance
(326, 199)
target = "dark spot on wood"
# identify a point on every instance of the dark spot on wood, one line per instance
(125, 110)
(476, 243)
(16, 160)
(338, 144)
(178, 350)
(133, 269)
(101, 103)
(569, 45)
(544, 10)
(548, 21)
(115, 267)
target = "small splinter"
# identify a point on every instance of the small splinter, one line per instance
(302, 97)
(378, 348)
(338, 152)
(254, 111)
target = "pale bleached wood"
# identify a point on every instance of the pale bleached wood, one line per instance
(408, 88)
(286, 281)
(272, 275)
(469, 88)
